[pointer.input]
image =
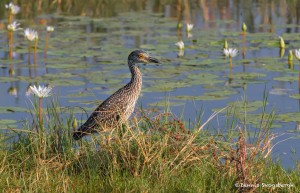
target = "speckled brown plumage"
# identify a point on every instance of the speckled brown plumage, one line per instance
(117, 108)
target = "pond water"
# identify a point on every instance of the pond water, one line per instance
(87, 58)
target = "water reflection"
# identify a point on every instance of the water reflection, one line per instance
(260, 16)
(12, 91)
(49, 30)
(281, 52)
(297, 128)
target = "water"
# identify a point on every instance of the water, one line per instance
(86, 58)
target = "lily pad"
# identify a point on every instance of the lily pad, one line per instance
(289, 117)
(8, 79)
(214, 95)
(247, 76)
(295, 96)
(12, 109)
(164, 86)
(250, 106)
(7, 122)
(80, 94)
(287, 78)
(202, 78)
(165, 104)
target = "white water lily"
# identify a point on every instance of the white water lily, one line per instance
(13, 26)
(8, 6)
(189, 27)
(14, 9)
(230, 52)
(180, 45)
(41, 91)
(31, 35)
(297, 54)
(50, 28)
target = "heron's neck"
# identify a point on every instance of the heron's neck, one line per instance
(136, 76)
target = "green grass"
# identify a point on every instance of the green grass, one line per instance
(152, 153)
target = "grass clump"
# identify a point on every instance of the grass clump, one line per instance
(148, 155)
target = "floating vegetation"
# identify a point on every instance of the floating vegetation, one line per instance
(287, 78)
(164, 86)
(248, 76)
(289, 117)
(165, 104)
(212, 95)
(198, 79)
(7, 123)
(12, 109)
(249, 106)
(279, 91)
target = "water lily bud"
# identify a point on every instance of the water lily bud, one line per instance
(290, 64)
(282, 44)
(74, 123)
(225, 44)
(179, 25)
(244, 27)
(11, 71)
(290, 56)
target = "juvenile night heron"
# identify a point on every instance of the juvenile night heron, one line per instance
(117, 108)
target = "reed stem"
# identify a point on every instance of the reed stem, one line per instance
(34, 52)
(10, 34)
(9, 18)
(46, 45)
(29, 53)
(40, 113)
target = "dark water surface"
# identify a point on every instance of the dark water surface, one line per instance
(87, 53)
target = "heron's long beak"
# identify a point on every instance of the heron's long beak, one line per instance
(152, 60)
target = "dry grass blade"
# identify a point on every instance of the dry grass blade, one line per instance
(194, 135)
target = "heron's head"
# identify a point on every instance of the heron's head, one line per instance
(140, 56)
